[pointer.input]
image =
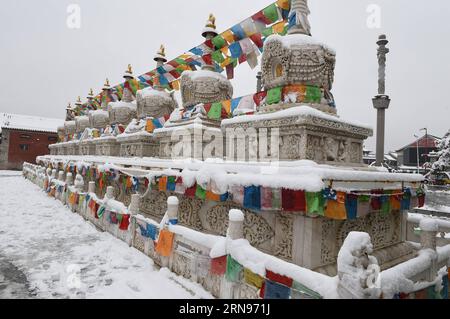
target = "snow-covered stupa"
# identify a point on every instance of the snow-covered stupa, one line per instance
(273, 204)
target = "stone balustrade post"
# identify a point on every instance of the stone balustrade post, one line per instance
(79, 183)
(91, 188)
(133, 210)
(109, 192)
(134, 205)
(172, 210)
(61, 176)
(235, 231)
(53, 174)
(236, 224)
(69, 179)
(429, 229)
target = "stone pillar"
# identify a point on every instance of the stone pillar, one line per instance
(69, 179)
(133, 210)
(172, 210)
(53, 174)
(61, 176)
(79, 183)
(91, 188)
(259, 82)
(109, 192)
(134, 205)
(381, 101)
(429, 229)
(236, 224)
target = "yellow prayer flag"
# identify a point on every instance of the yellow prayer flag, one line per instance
(253, 279)
(228, 36)
(227, 106)
(149, 127)
(279, 27)
(283, 4)
(224, 50)
(176, 85)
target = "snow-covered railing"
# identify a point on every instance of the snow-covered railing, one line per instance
(230, 267)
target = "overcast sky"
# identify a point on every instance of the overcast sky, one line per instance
(44, 64)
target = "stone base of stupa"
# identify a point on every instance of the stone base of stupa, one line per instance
(198, 138)
(106, 146)
(305, 133)
(86, 147)
(138, 145)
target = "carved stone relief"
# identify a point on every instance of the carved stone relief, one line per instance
(283, 240)
(256, 229)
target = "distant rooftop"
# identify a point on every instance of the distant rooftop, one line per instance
(29, 123)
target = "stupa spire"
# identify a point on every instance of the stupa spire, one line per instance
(160, 56)
(298, 18)
(209, 32)
(90, 95)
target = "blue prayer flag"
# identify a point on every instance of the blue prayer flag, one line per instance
(239, 32)
(236, 50)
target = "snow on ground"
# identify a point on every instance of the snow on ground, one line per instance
(48, 252)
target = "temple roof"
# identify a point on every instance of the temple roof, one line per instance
(29, 123)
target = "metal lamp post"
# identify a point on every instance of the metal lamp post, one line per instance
(418, 156)
(381, 101)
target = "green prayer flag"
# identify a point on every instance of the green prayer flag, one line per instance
(305, 290)
(219, 42)
(200, 192)
(274, 96)
(386, 205)
(101, 211)
(171, 180)
(364, 198)
(233, 270)
(313, 94)
(215, 112)
(180, 61)
(315, 203)
(218, 56)
(267, 31)
(271, 13)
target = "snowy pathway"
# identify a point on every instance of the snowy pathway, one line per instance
(48, 252)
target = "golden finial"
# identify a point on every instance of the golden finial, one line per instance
(162, 51)
(130, 69)
(69, 106)
(79, 100)
(211, 23)
(107, 82)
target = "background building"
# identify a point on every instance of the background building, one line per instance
(23, 137)
(407, 156)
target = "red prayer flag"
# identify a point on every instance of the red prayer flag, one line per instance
(230, 71)
(242, 58)
(257, 40)
(219, 265)
(209, 44)
(261, 18)
(259, 97)
(125, 222)
(208, 59)
(293, 201)
(190, 192)
(284, 280)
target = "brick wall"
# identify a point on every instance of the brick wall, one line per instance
(20, 146)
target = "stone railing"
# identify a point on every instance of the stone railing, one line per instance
(191, 253)
(414, 230)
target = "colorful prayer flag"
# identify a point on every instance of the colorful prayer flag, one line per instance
(165, 243)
